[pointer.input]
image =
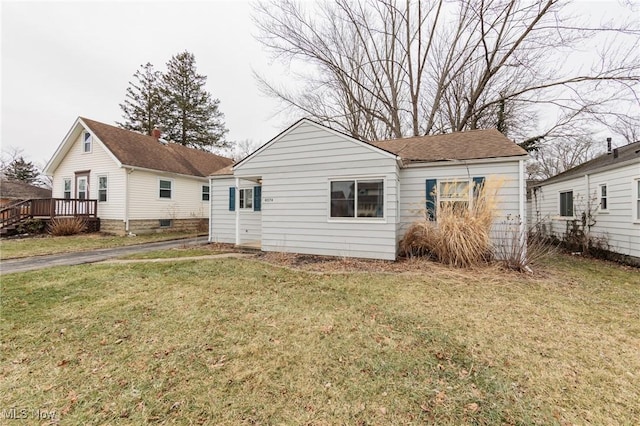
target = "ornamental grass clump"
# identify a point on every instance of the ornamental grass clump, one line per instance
(63, 226)
(461, 235)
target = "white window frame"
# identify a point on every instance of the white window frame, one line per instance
(82, 181)
(105, 189)
(635, 196)
(161, 189)
(604, 197)
(356, 218)
(87, 142)
(467, 199)
(207, 193)
(573, 209)
(242, 198)
(64, 188)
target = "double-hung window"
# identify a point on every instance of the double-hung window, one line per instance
(454, 194)
(67, 189)
(86, 142)
(603, 198)
(357, 198)
(205, 192)
(566, 204)
(102, 188)
(246, 198)
(636, 195)
(166, 188)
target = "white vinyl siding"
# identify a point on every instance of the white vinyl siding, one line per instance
(145, 203)
(620, 226)
(296, 171)
(222, 221)
(99, 163)
(413, 192)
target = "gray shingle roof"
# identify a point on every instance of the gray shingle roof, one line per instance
(618, 155)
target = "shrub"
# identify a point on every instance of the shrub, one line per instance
(61, 226)
(518, 253)
(31, 226)
(461, 235)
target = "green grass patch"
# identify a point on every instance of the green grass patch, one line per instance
(36, 246)
(237, 341)
(174, 253)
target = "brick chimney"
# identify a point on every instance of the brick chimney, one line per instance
(156, 133)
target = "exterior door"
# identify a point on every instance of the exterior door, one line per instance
(82, 187)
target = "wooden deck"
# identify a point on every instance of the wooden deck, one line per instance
(46, 209)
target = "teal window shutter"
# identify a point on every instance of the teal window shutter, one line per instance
(257, 197)
(431, 185)
(478, 183)
(232, 199)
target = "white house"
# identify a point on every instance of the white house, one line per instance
(142, 183)
(607, 190)
(314, 190)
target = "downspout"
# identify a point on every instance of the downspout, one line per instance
(237, 209)
(126, 199)
(588, 194)
(210, 211)
(523, 212)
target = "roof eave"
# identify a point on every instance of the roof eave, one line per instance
(438, 162)
(580, 174)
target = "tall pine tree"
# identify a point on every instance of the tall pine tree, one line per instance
(143, 107)
(21, 170)
(192, 117)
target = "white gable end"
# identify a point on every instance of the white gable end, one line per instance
(309, 140)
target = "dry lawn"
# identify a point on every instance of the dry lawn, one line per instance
(47, 244)
(248, 342)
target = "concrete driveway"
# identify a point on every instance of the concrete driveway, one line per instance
(67, 259)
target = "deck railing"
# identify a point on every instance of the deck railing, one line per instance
(47, 208)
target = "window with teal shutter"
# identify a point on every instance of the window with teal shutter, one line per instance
(257, 198)
(478, 184)
(431, 198)
(232, 199)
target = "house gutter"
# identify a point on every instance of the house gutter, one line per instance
(523, 212)
(237, 209)
(126, 199)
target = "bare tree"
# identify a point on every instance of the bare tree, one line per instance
(552, 157)
(381, 69)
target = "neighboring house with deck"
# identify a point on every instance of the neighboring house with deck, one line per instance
(12, 191)
(141, 183)
(315, 190)
(606, 190)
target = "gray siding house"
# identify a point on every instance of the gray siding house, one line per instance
(314, 190)
(607, 188)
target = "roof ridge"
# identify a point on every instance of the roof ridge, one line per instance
(136, 149)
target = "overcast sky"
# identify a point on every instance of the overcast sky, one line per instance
(61, 60)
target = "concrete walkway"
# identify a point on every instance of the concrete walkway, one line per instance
(91, 256)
